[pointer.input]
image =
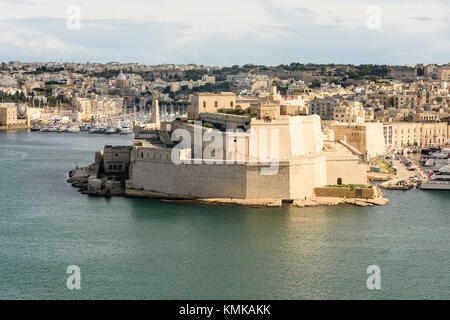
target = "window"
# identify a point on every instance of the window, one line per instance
(116, 154)
(339, 181)
(216, 104)
(231, 104)
(204, 104)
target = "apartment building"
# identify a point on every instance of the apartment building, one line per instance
(349, 112)
(413, 133)
(324, 107)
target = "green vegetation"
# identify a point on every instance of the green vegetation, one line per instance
(239, 112)
(49, 83)
(43, 70)
(59, 100)
(45, 91)
(194, 74)
(344, 72)
(107, 74)
(383, 164)
(208, 125)
(294, 66)
(365, 71)
(51, 100)
(236, 111)
(216, 87)
(20, 97)
(420, 72)
(315, 84)
(350, 186)
(14, 98)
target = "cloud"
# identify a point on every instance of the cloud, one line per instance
(231, 32)
(423, 18)
(33, 42)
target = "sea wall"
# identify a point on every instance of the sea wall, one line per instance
(152, 170)
(305, 174)
(347, 169)
(360, 193)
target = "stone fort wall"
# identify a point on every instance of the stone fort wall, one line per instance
(152, 170)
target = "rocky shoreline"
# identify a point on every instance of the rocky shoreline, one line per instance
(88, 182)
(334, 201)
(79, 177)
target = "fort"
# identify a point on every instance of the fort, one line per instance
(275, 158)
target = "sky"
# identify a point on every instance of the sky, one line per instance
(227, 32)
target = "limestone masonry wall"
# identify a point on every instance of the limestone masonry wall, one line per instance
(363, 193)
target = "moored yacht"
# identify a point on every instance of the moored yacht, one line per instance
(111, 130)
(438, 181)
(73, 129)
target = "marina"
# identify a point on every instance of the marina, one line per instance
(117, 125)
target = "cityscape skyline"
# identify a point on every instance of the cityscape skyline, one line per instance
(200, 33)
(286, 63)
(224, 156)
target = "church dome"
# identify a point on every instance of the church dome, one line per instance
(21, 111)
(121, 76)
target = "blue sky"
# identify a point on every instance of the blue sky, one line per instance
(228, 32)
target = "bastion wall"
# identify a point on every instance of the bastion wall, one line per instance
(152, 170)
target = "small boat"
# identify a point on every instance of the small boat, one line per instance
(100, 130)
(53, 129)
(111, 130)
(93, 130)
(126, 130)
(35, 128)
(44, 129)
(73, 129)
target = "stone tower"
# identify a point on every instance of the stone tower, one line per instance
(155, 112)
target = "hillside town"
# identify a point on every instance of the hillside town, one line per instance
(409, 104)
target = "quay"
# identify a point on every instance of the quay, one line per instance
(402, 180)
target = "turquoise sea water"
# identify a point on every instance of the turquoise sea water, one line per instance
(147, 249)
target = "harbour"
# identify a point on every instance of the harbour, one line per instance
(214, 159)
(148, 249)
